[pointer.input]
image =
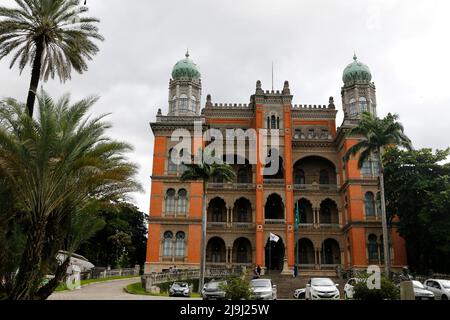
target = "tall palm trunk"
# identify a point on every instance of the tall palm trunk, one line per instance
(30, 265)
(203, 242)
(35, 75)
(60, 274)
(387, 258)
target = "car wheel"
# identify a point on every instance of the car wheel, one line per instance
(444, 297)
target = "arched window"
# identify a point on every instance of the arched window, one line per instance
(299, 177)
(378, 204)
(180, 244)
(184, 103)
(167, 244)
(172, 167)
(170, 201)
(372, 248)
(370, 204)
(367, 169)
(273, 122)
(353, 111)
(173, 104)
(193, 104)
(183, 167)
(363, 105)
(278, 122)
(182, 201)
(268, 122)
(243, 176)
(324, 177)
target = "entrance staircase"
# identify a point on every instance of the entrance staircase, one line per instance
(286, 285)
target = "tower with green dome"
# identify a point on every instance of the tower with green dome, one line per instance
(185, 88)
(358, 92)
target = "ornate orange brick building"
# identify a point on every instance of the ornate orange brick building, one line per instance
(338, 206)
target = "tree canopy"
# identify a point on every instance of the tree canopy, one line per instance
(418, 192)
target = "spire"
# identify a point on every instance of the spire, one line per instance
(355, 57)
(187, 53)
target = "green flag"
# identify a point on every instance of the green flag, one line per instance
(297, 216)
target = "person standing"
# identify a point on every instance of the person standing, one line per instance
(258, 270)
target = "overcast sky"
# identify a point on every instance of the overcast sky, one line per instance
(405, 44)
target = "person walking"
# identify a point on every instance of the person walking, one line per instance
(295, 271)
(258, 270)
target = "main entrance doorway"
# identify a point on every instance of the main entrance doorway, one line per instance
(274, 253)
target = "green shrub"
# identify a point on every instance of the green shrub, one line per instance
(237, 288)
(387, 291)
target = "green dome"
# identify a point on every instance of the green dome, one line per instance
(186, 68)
(356, 71)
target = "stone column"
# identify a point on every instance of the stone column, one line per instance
(316, 259)
(320, 258)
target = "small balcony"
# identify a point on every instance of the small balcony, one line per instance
(317, 187)
(243, 225)
(274, 182)
(231, 186)
(217, 225)
(275, 221)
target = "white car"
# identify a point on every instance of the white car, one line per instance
(180, 289)
(440, 288)
(263, 289)
(322, 289)
(299, 294)
(421, 293)
(349, 288)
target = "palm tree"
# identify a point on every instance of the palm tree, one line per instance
(57, 165)
(51, 36)
(206, 172)
(374, 135)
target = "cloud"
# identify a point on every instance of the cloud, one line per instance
(234, 43)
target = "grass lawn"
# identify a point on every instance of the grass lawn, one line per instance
(63, 287)
(136, 288)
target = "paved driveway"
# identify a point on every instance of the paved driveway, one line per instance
(112, 290)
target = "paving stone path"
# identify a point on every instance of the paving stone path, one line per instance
(111, 290)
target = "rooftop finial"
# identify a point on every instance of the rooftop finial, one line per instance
(187, 53)
(354, 56)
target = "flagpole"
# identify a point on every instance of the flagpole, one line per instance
(270, 255)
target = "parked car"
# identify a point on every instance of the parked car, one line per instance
(213, 290)
(421, 293)
(263, 289)
(299, 294)
(440, 288)
(349, 288)
(322, 289)
(180, 289)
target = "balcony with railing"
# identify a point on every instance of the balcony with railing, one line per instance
(243, 225)
(274, 182)
(231, 186)
(317, 187)
(275, 221)
(217, 225)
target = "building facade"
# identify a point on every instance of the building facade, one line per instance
(338, 204)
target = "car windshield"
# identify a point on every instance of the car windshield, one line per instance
(180, 285)
(446, 284)
(324, 282)
(260, 283)
(214, 285)
(418, 285)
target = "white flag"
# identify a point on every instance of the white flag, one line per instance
(274, 237)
